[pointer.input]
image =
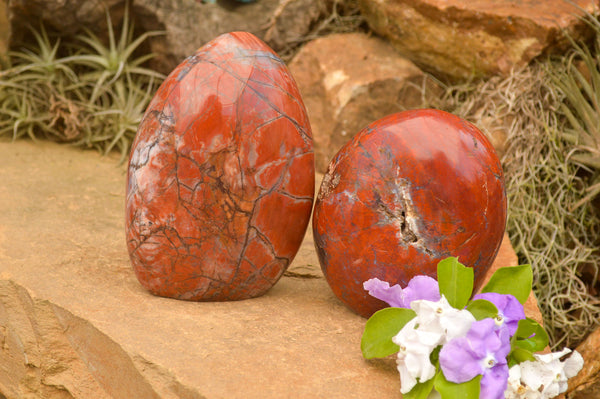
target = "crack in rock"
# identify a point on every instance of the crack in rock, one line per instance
(404, 217)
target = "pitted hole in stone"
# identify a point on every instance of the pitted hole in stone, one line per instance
(408, 236)
(398, 217)
(409, 227)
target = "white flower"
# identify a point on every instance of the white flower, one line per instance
(516, 389)
(544, 378)
(571, 366)
(435, 324)
(413, 357)
(441, 318)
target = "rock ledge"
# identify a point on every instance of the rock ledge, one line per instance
(74, 321)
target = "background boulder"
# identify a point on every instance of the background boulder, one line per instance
(350, 80)
(461, 38)
(187, 24)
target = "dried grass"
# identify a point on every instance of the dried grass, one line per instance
(546, 226)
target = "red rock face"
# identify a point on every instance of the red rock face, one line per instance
(221, 175)
(409, 190)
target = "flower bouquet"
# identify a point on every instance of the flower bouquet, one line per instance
(450, 345)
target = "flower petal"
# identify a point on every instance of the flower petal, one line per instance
(407, 380)
(456, 323)
(442, 318)
(536, 374)
(415, 339)
(457, 363)
(516, 389)
(550, 357)
(414, 355)
(422, 287)
(382, 291)
(494, 382)
(508, 307)
(573, 364)
(551, 390)
(504, 336)
(482, 338)
(420, 366)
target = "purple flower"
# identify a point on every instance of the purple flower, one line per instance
(510, 310)
(419, 287)
(482, 351)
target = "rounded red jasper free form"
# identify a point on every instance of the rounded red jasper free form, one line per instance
(408, 191)
(221, 175)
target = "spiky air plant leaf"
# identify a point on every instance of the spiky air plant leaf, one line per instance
(577, 78)
(108, 63)
(78, 90)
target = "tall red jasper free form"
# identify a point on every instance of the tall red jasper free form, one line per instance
(408, 191)
(221, 175)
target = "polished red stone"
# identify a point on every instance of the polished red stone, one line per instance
(409, 190)
(221, 175)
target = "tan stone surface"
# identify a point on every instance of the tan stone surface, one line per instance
(460, 38)
(74, 322)
(586, 384)
(350, 80)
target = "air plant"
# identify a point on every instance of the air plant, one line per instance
(577, 77)
(78, 90)
(108, 64)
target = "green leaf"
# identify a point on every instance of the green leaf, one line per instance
(435, 356)
(530, 336)
(380, 328)
(482, 309)
(450, 390)
(420, 391)
(515, 280)
(518, 355)
(456, 282)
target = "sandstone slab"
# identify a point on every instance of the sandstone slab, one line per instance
(350, 80)
(74, 321)
(462, 38)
